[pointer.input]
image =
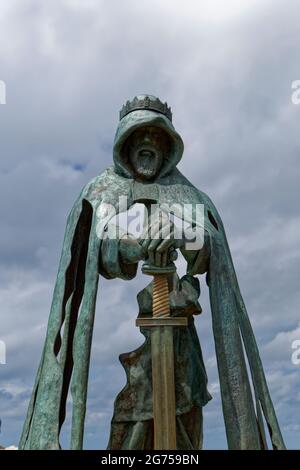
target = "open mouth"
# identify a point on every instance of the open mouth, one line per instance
(146, 153)
(147, 161)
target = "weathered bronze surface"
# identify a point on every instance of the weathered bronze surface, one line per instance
(147, 149)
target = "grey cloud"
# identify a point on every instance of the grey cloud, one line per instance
(68, 68)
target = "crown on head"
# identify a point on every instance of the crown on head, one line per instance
(145, 102)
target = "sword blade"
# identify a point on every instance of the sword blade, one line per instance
(163, 383)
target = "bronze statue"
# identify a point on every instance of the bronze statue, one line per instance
(161, 404)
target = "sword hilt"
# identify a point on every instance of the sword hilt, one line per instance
(160, 293)
(160, 296)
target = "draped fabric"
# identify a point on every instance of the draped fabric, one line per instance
(65, 359)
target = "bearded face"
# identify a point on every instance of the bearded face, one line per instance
(145, 149)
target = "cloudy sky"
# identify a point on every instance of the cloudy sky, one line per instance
(226, 69)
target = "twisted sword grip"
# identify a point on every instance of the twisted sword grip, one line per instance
(160, 296)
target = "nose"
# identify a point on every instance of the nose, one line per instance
(147, 138)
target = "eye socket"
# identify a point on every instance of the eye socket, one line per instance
(156, 135)
(153, 131)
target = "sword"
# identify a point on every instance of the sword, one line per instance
(162, 352)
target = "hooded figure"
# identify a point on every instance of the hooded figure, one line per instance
(141, 170)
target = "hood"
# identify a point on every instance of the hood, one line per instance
(140, 118)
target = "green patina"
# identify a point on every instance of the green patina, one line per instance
(65, 360)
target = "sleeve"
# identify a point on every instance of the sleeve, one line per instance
(198, 260)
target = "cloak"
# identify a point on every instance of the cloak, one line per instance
(65, 359)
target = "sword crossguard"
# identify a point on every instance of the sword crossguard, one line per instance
(164, 321)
